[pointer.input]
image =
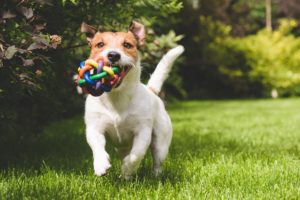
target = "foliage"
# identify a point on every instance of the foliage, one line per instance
(25, 73)
(208, 25)
(220, 150)
(268, 58)
(41, 45)
(156, 46)
(201, 77)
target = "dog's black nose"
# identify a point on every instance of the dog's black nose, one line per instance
(113, 56)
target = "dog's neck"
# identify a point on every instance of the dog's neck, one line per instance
(119, 98)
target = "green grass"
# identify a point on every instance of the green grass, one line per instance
(220, 150)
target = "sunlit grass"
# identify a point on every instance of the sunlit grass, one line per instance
(220, 150)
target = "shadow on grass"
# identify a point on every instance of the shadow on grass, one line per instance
(62, 147)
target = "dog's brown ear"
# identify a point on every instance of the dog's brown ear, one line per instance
(138, 31)
(89, 31)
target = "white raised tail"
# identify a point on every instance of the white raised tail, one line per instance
(163, 69)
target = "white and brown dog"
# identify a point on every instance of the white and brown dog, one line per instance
(132, 115)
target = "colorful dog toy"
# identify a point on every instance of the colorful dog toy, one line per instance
(96, 78)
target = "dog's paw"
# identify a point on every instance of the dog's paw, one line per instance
(129, 166)
(101, 168)
(157, 171)
(126, 177)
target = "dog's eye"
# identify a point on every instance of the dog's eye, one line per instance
(127, 45)
(100, 45)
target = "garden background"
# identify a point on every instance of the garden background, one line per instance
(246, 50)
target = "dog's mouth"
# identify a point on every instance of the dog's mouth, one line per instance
(97, 76)
(122, 72)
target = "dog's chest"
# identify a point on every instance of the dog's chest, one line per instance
(120, 128)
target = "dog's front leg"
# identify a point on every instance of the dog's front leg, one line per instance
(140, 145)
(96, 140)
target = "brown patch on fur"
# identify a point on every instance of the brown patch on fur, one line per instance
(114, 40)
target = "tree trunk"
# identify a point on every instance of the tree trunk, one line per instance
(269, 15)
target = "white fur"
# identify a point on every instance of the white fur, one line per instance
(163, 69)
(133, 117)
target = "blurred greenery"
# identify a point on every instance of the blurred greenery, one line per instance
(229, 53)
(268, 59)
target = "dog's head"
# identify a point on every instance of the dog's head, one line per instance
(116, 48)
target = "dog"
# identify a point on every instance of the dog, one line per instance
(131, 115)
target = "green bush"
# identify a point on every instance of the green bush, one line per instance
(269, 60)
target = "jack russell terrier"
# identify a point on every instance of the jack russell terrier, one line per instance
(132, 114)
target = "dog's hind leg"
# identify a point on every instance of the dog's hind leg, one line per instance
(139, 148)
(161, 140)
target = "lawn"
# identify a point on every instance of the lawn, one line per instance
(247, 149)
